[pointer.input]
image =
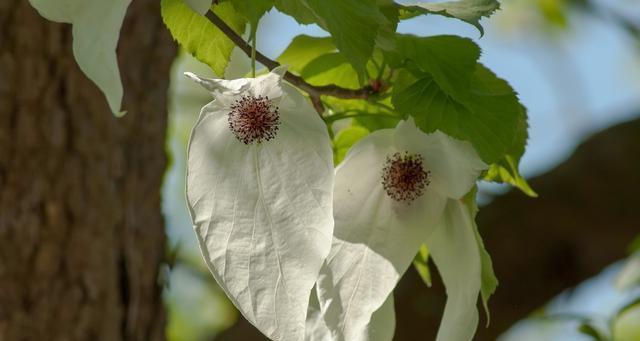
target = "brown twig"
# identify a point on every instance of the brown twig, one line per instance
(314, 91)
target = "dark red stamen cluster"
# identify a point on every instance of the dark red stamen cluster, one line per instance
(404, 178)
(254, 119)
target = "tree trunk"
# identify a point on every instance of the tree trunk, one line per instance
(81, 232)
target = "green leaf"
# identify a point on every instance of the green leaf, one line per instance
(297, 9)
(252, 10)
(591, 331)
(353, 26)
(387, 32)
(488, 116)
(625, 326)
(331, 68)
(635, 245)
(371, 115)
(421, 263)
(506, 169)
(303, 49)
(200, 37)
(96, 29)
(489, 280)
(470, 11)
(346, 138)
(450, 60)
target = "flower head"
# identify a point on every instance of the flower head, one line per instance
(260, 191)
(404, 177)
(254, 119)
(382, 219)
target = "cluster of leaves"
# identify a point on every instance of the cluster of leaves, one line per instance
(439, 76)
(437, 80)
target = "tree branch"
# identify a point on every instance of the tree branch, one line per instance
(314, 91)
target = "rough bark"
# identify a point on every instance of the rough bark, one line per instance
(81, 232)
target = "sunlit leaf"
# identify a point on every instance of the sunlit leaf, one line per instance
(198, 36)
(421, 263)
(353, 26)
(303, 49)
(345, 139)
(626, 326)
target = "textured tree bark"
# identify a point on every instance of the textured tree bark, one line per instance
(81, 232)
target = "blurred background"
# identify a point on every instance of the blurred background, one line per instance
(84, 228)
(576, 66)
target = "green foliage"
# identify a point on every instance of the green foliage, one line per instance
(450, 60)
(297, 9)
(421, 263)
(488, 277)
(303, 49)
(252, 10)
(625, 326)
(470, 11)
(200, 37)
(487, 115)
(353, 26)
(591, 331)
(457, 95)
(345, 139)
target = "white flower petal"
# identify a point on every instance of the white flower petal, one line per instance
(454, 164)
(455, 252)
(375, 239)
(96, 29)
(381, 327)
(263, 212)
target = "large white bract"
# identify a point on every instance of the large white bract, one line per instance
(260, 190)
(396, 189)
(96, 29)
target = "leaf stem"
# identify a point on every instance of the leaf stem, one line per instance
(314, 91)
(254, 37)
(343, 115)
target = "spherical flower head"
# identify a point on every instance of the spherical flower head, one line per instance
(404, 177)
(254, 119)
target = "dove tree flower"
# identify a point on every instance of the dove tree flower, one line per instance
(260, 190)
(396, 189)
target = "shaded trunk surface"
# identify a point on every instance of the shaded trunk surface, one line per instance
(81, 231)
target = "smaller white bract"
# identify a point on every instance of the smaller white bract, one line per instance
(260, 190)
(396, 189)
(96, 29)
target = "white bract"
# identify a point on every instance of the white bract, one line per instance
(260, 189)
(96, 29)
(396, 189)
